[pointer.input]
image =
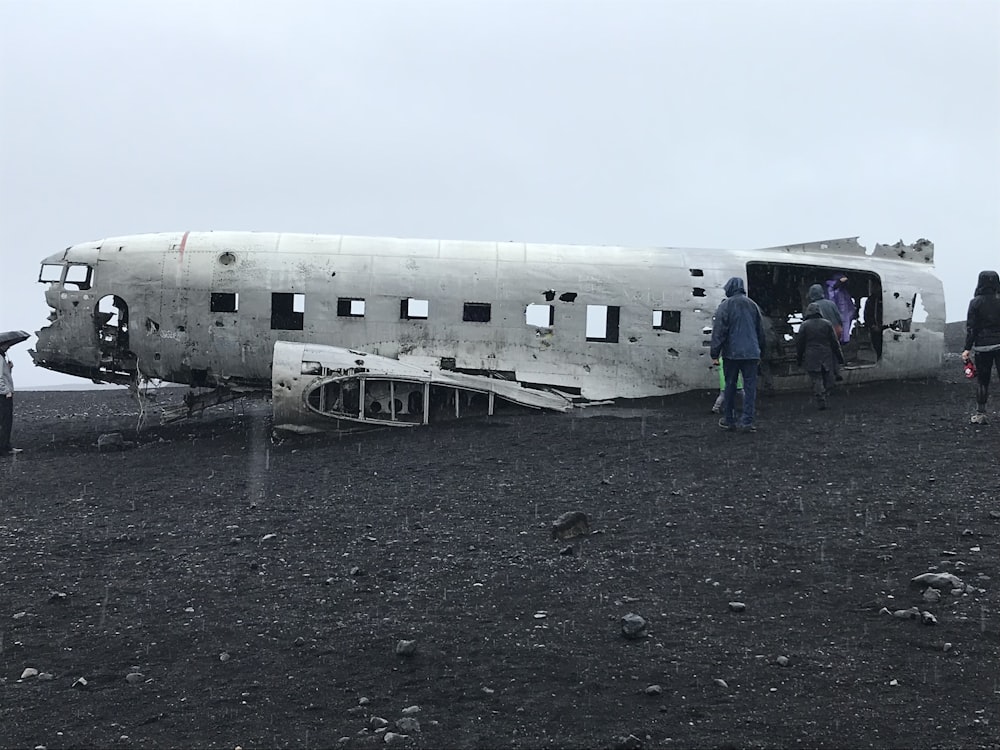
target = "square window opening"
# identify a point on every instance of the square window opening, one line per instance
(540, 316)
(476, 312)
(350, 307)
(602, 323)
(287, 311)
(225, 302)
(413, 309)
(667, 320)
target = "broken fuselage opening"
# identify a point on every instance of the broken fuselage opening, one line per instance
(782, 292)
(111, 321)
(89, 334)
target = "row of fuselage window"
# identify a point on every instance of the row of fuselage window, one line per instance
(288, 313)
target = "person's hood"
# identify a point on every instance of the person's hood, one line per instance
(812, 311)
(734, 286)
(816, 293)
(989, 283)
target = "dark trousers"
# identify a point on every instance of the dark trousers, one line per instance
(6, 422)
(985, 362)
(822, 382)
(733, 369)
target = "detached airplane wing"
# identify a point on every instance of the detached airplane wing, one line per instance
(314, 384)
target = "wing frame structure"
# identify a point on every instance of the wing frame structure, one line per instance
(313, 384)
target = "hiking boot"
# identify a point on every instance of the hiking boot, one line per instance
(726, 425)
(747, 428)
(979, 418)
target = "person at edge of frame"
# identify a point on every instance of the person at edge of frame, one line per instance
(982, 337)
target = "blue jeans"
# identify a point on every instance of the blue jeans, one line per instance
(733, 369)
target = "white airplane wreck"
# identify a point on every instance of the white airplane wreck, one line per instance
(403, 332)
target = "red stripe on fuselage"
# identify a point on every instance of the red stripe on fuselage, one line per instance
(184, 241)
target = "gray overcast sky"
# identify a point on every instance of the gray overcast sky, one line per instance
(702, 124)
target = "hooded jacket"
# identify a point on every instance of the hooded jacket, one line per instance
(738, 329)
(982, 322)
(827, 308)
(816, 345)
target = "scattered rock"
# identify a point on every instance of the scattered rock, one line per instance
(571, 524)
(630, 742)
(904, 614)
(782, 661)
(356, 571)
(633, 626)
(363, 701)
(931, 595)
(377, 722)
(654, 690)
(46, 676)
(79, 682)
(134, 678)
(390, 737)
(224, 656)
(737, 606)
(28, 673)
(57, 596)
(406, 648)
(938, 581)
(408, 725)
(947, 646)
(721, 683)
(111, 441)
(927, 618)
(268, 537)
(410, 711)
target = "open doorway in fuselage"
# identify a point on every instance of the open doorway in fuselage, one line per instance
(782, 292)
(111, 320)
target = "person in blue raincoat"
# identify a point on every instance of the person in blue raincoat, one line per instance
(738, 339)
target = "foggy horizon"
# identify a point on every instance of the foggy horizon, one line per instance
(650, 124)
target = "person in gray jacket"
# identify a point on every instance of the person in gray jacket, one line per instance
(738, 339)
(817, 349)
(827, 308)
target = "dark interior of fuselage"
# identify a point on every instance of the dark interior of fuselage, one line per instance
(781, 290)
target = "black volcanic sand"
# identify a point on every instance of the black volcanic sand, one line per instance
(256, 591)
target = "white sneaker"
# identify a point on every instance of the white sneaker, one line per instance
(978, 418)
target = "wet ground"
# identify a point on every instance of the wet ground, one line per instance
(207, 587)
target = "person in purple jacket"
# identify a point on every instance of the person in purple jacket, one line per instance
(837, 291)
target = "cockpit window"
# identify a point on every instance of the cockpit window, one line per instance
(74, 274)
(51, 273)
(79, 275)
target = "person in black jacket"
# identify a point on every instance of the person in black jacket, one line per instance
(818, 350)
(982, 337)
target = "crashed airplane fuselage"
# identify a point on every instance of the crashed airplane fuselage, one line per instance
(392, 331)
